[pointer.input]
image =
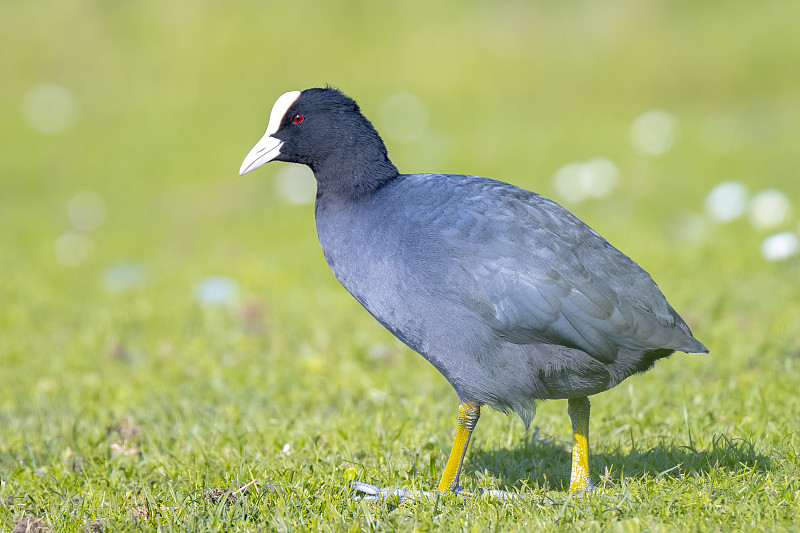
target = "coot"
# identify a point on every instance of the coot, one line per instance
(510, 296)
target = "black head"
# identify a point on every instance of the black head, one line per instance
(324, 129)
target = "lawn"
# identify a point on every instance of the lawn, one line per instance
(176, 356)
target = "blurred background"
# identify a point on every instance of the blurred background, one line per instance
(140, 273)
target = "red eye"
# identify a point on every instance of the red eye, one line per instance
(298, 118)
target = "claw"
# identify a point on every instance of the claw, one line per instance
(374, 492)
(497, 494)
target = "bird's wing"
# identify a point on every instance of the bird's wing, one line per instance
(537, 274)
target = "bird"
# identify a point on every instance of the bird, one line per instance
(511, 297)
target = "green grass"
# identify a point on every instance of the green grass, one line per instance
(141, 409)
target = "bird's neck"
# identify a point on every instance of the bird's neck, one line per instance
(352, 176)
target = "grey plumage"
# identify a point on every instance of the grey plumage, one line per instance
(512, 298)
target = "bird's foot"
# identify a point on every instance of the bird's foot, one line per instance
(589, 488)
(374, 492)
(497, 494)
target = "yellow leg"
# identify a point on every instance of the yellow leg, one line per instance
(468, 414)
(578, 409)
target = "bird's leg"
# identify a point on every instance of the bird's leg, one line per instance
(578, 409)
(468, 414)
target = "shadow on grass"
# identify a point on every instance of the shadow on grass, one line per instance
(546, 463)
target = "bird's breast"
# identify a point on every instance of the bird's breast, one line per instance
(369, 260)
